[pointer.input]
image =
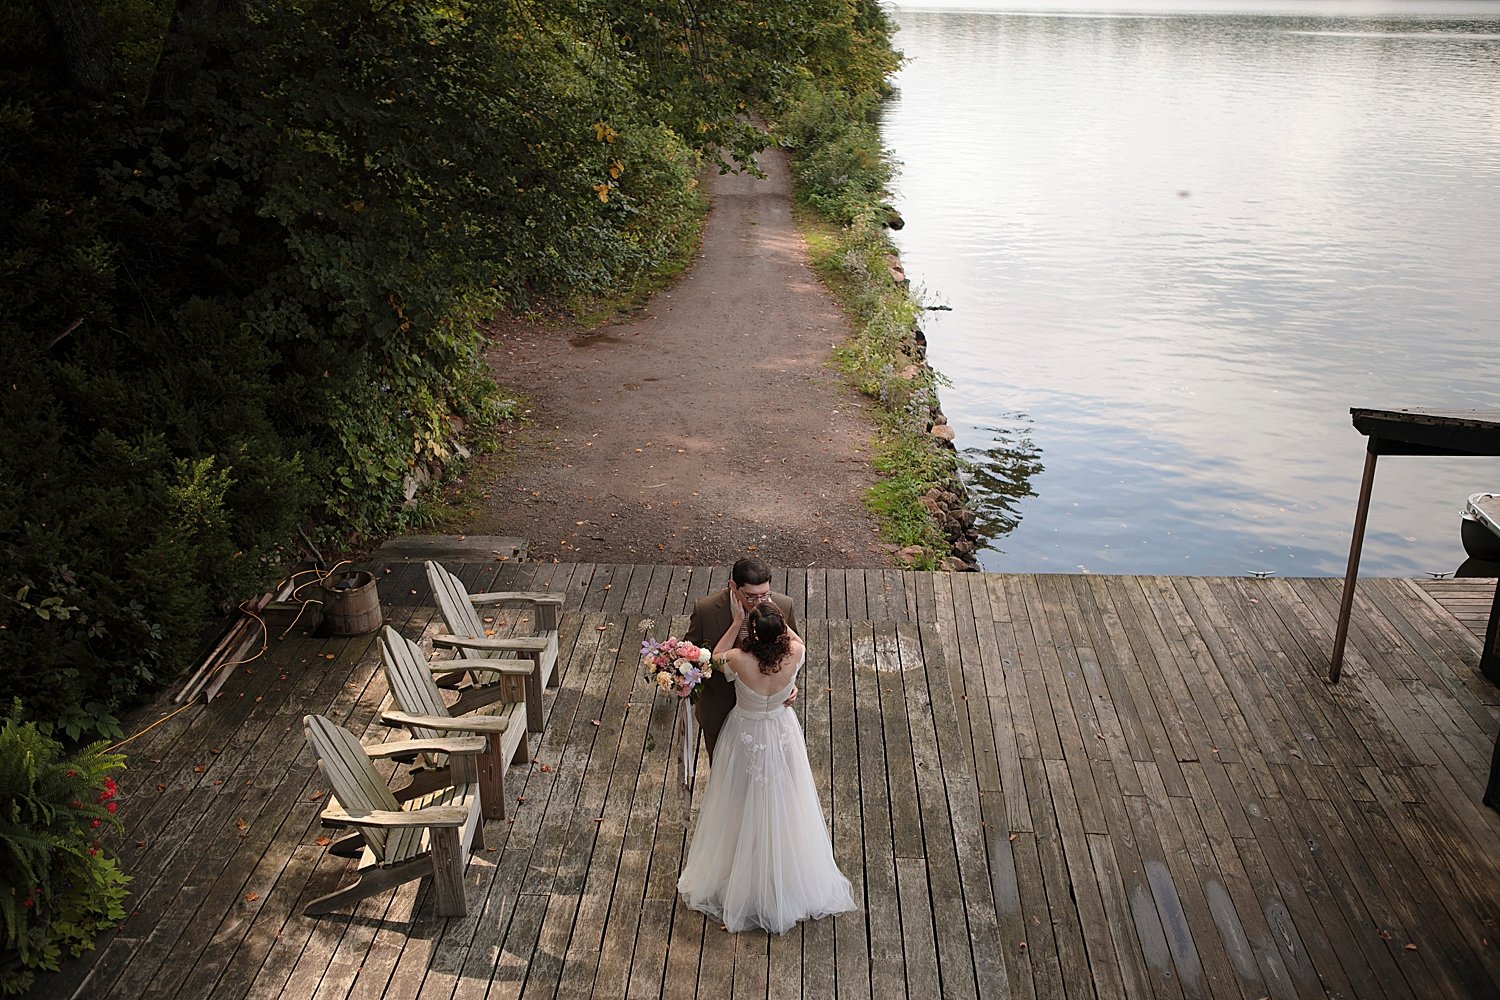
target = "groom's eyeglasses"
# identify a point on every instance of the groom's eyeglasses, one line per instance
(754, 597)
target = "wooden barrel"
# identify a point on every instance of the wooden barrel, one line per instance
(351, 604)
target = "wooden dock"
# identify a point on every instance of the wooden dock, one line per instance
(1040, 786)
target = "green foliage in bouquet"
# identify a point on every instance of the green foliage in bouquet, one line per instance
(58, 888)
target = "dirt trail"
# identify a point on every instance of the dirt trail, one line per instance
(708, 425)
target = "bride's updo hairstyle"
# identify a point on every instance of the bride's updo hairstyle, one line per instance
(768, 640)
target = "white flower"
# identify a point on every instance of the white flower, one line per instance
(704, 655)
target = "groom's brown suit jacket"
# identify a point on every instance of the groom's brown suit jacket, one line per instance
(711, 619)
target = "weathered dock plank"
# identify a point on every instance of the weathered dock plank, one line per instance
(1039, 787)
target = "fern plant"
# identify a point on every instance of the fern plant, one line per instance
(58, 887)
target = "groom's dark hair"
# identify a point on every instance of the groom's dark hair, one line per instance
(750, 571)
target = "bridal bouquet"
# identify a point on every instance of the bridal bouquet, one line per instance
(677, 666)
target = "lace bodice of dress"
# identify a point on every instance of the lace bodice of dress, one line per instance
(763, 706)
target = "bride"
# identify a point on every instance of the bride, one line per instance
(761, 856)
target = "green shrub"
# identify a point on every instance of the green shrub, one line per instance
(58, 887)
(841, 171)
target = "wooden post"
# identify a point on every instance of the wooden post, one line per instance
(1346, 605)
(1489, 656)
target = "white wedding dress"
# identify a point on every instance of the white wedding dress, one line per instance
(761, 856)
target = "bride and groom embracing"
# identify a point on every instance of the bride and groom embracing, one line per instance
(761, 856)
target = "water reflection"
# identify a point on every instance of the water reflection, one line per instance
(999, 478)
(1178, 248)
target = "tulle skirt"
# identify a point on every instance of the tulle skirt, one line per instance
(761, 856)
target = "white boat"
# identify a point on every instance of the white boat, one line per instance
(1481, 526)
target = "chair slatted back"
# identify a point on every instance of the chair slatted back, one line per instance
(453, 602)
(411, 683)
(359, 787)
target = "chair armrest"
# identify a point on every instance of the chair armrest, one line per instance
(517, 668)
(521, 644)
(432, 816)
(529, 597)
(471, 724)
(450, 745)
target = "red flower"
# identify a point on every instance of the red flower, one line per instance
(30, 901)
(93, 822)
(110, 806)
(72, 774)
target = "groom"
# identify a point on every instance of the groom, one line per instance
(749, 584)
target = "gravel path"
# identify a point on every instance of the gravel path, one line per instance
(709, 424)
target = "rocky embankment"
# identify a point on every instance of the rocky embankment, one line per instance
(948, 500)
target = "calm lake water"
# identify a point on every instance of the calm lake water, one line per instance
(1178, 246)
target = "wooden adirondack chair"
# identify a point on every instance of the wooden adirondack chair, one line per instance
(430, 835)
(459, 610)
(496, 712)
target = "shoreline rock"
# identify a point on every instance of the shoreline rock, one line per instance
(948, 501)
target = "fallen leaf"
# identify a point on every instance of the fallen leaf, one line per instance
(241, 824)
(213, 749)
(251, 897)
(327, 656)
(1012, 837)
(323, 841)
(315, 796)
(160, 787)
(596, 722)
(1410, 946)
(546, 768)
(600, 819)
(601, 628)
(1385, 935)
(520, 798)
(198, 769)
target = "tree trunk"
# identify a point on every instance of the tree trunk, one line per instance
(196, 39)
(75, 31)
